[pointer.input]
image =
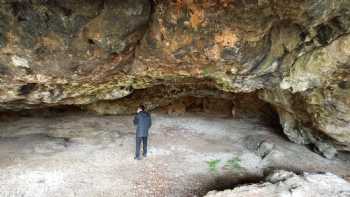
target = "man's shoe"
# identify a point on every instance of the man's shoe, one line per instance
(144, 155)
(137, 158)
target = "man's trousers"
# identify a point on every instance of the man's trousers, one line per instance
(138, 146)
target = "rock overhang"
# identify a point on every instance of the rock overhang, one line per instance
(294, 53)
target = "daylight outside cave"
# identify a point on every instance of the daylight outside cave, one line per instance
(246, 97)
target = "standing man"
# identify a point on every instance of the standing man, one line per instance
(143, 122)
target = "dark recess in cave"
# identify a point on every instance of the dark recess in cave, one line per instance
(173, 100)
(324, 34)
(27, 89)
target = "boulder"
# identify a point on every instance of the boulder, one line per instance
(283, 183)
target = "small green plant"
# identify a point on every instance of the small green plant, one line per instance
(234, 164)
(206, 72)
(213, 165)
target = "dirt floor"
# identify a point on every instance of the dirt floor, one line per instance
(91, 156)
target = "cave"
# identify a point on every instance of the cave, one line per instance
(242, 94)
(204, 138)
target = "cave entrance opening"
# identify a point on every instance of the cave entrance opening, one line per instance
(179, 102)
(200, 98)
(238, 107)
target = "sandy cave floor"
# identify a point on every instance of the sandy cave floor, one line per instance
(91, 156)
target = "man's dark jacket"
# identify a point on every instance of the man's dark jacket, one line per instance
(143, 122)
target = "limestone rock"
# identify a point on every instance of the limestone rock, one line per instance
(283, 183)
(67, 52)
(294, 54)
(260, 145)
(177, 109)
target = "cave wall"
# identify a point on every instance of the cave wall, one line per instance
(295, 54)
(199, 97)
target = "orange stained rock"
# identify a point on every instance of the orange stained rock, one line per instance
(226, 38)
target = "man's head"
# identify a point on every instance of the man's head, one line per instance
(140, 108)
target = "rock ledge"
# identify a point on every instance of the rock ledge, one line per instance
(283, 183)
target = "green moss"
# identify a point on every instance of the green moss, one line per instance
(234, 164)
(209, 70)
(223, 82)
(213, 165)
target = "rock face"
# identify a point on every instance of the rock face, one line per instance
(283, 183)
(68, 52)
(294, 54)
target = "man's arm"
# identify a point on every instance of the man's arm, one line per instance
(136, 120)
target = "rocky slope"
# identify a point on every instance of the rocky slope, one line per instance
(283, 183)
(294, 54)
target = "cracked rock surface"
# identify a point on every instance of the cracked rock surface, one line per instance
(294, 54)
(284, 183)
